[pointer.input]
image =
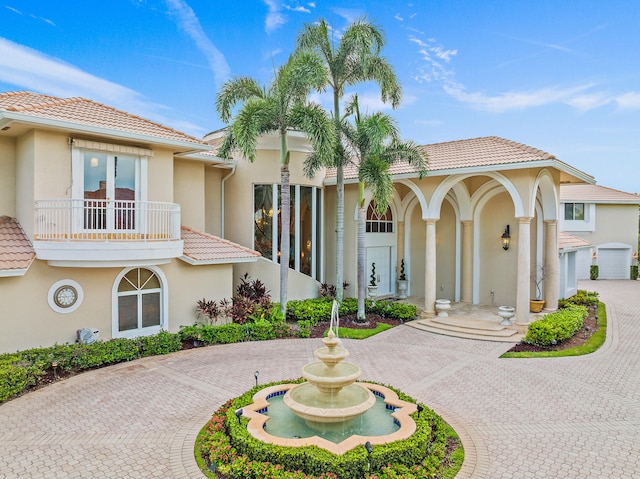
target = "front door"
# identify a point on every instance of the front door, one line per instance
(380, 241)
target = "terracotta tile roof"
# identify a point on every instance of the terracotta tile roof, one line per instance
(203, 248)
(16, 251)
(87, 112)
(472, 153)
(596, 194)
(569, 241)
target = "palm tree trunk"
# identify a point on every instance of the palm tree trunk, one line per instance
(339, 206)
(361, 254)
(285, 215)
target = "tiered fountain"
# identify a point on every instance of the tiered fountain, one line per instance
(330, 394)
(331, 400)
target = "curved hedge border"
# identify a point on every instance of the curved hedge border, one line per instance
(556, 327)
(230, 450)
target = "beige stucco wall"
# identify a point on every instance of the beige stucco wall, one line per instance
(498, 267)
(188, 181)
(416, 231)
(615, 224)
(213, 199)
(446, 253)
(25, 196)
(160, 176)
(27, 320)
(52, 163)
(7, 176)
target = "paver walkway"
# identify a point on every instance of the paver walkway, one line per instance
(519, 418)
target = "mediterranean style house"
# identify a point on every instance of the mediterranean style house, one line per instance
(608, 220)
(107, 221)
(112, 222)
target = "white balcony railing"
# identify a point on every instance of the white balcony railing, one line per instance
(106, 220)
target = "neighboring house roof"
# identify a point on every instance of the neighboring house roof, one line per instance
(203, 248)
(569, 241)
(16, 251)
(596, 194)
(87, 115)
(477, 153)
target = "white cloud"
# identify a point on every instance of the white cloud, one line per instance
(188, 21)
(349, 14)
(629, 101)
(299, 9)
(274, 19)
(14, 10)
(398, 17)
(589, 101)
(515, 100)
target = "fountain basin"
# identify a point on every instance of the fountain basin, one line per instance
(402, 410)
(353, 401)
(330, 380)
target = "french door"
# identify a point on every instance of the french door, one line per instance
(110, 192)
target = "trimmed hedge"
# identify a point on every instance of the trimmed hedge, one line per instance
(236, 454)
(317, 310)
(556, 327)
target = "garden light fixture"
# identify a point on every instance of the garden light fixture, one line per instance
(239, 414)
(369, 448)
(256, 374)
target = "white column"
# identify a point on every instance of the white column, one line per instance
(523, 291)
(430, 269)
(466, 271)
(550, 284)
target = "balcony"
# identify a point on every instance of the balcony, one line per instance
(108, 233)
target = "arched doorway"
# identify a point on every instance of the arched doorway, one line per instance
(380, 243)
(139, 303)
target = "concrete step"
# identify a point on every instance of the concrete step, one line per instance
(496, 335)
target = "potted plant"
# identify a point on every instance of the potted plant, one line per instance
(372, 289)
(535, 305)
(403, 284)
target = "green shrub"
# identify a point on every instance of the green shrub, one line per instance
(593, 271)
(260, 330)
(634, 272)
(304, 328)
(317, 310)
(314, 310)
(230, 333)
(161, 343)
(556, 327)
(16, 375)
(581, 298)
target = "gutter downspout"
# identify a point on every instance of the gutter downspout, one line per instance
(224, 179)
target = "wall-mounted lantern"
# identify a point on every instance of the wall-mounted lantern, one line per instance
(506, 239)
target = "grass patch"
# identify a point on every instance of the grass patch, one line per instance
(357, 333)
(592, 344)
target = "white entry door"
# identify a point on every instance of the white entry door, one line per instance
(381, 256)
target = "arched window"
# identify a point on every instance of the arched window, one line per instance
(139, 307)
(379, 223)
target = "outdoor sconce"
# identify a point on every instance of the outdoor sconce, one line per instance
(594, 255)
(635, 256)
(506, 239)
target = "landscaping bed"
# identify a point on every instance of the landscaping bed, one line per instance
(349, 321)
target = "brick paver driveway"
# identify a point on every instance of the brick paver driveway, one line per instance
(551, 418)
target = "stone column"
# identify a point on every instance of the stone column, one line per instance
(430, 269)
(550, 284)
(466, 269)
(523, 290)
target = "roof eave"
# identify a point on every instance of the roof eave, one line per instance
(196, 262)
(7, 273)
(111, 132)
(549, 163)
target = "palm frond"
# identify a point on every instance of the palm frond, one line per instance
(234, 91)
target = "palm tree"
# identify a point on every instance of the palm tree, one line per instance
(280, 107)
(373, 142)
(355, 59)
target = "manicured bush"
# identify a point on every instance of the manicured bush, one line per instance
(581, 298)
(161, 343)
(634, 272)
(16, 375)
(317, 310)
(556, 327)
(304, 328)
(226, 443)
(593, 271)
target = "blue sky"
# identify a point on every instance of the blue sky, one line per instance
(562, 76)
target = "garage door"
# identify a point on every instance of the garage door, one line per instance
(613, 263)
